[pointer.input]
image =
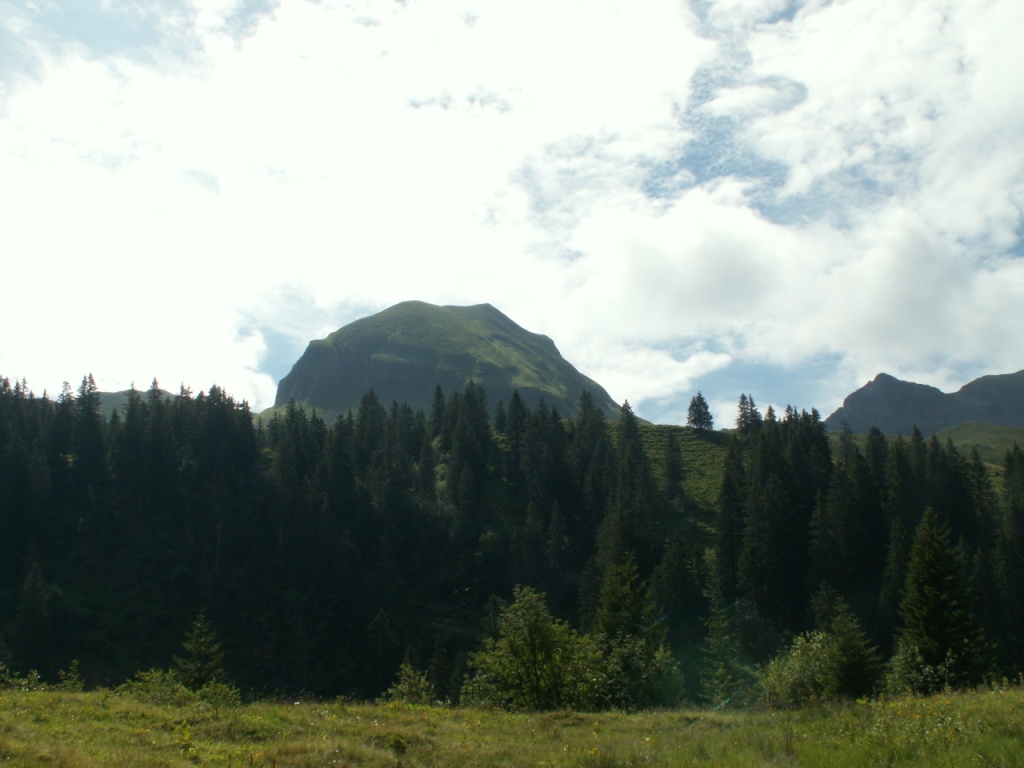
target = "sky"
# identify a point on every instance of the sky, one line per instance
(771, 197)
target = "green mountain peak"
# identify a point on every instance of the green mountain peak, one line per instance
(404, 352)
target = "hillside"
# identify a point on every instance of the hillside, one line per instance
(895, 407)
(991, 441)
(403, 353)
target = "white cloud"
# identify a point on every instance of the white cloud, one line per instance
(832, 179)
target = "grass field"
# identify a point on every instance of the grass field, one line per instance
(101, 728)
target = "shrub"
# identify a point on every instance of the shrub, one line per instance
(822, 666)
(803, 674)
(217, 696)
(535, 663)
(158, 686)
(30, 681)
(410, 687)
(638, 674)
(69, 679)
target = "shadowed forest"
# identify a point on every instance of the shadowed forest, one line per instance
(401, 551)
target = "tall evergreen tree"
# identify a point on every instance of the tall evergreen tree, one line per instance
(748, 417)
(698, 415)
(591, 461)
(940, 642)
(723, 678)
(638, 669)
(33, 636)
(517, 417)
(632, 522)
(729, 522)
(1009, 563)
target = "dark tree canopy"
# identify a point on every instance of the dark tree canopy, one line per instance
(328, 553)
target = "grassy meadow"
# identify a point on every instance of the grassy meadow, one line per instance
(103, 728)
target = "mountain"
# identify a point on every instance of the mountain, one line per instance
(403, 353)
(896, 407)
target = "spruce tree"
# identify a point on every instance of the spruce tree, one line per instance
(940, 643)
(729, 522)
(203, 660)
(698, 415)
(1009, 563)
(638, 668)
(722, 679)
(748, 418)
(33, 625)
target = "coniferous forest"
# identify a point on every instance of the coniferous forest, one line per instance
(395, 547)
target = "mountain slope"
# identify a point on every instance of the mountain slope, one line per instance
(896, 407)
(403, 353)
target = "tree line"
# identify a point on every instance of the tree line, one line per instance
(400, 550)
(898, 550)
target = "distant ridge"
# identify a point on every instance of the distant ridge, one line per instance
(404, 352)
(896, 407)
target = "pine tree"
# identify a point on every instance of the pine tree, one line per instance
(411, 685)
(516, 423)
(729, 522)
(722, 675)
(638, 669)
(940, 642)
(748, 418)
(766, 558)
(33, 626)
(624, 608)
(1009, 563)
(436, 423)
(203, 660)
(858, 663)
(698, 415)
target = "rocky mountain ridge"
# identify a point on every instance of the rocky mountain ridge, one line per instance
(896, 407)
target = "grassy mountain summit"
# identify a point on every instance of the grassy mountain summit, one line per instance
(404, 352)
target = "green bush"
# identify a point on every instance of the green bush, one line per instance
(824, 666)
(30, 681)
(805, 673)
(536, 662)
(163, 687)
(636, 674)
(218, 696)
(410, 687)
(69, 679)
(158, 686)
